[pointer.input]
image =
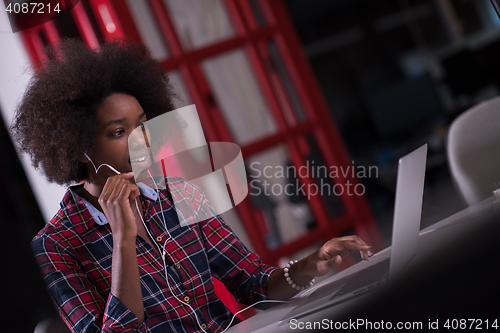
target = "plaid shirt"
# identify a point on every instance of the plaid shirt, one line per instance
(74, 253)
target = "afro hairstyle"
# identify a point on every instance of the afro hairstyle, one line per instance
(55, 123)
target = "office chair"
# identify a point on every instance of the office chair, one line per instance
(474, 151)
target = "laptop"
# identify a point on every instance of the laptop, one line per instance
(406, 227)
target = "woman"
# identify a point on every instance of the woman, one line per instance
(114, 257)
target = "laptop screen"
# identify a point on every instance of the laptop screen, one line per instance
(407, 208)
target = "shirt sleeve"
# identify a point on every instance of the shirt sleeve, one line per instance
(77, 299)
(241, 271)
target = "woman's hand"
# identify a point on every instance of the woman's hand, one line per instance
(330, 255)
(115, 201)
(116, 198)
(319, 263)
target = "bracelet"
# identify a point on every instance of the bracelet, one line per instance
(289, 279)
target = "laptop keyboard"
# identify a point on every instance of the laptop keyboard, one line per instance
(365, 278)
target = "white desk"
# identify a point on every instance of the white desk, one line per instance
(430, 240)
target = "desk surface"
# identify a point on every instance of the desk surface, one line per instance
(431, 240)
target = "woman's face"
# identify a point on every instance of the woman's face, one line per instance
(117, 117)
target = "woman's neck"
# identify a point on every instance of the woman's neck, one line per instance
(93, 188)
(91, 193)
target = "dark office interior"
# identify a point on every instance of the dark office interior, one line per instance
(374, 58)
(371, 59)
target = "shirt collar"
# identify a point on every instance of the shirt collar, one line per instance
(99, 216)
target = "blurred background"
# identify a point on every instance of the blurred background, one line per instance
(351, 84)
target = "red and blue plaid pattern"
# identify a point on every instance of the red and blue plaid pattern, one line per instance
(74, 254)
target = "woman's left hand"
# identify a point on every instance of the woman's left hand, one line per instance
(319, 263)
(330, 255)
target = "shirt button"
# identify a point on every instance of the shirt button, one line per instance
(186, 299)
(158, 238)
(203, 326)
(179, 266)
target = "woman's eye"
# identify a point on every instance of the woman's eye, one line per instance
(117, 133)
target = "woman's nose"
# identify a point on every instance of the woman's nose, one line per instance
(139, 138)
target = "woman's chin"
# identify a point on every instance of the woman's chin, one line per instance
(140, 171)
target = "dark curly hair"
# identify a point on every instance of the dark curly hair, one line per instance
(56, 123)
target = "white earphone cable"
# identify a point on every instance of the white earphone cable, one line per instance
(164, 263)
(163, 253)
(104, 164)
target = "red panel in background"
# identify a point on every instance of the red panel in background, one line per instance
(107, 19)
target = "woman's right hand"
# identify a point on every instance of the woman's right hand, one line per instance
(115, 200)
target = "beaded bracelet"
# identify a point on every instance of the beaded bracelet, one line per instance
(289, 279)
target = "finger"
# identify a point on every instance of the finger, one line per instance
(364, 255)
(351, 247)
(112, 189)
(127, 175)
(122, 191)
(117, 188)
(364, 252)
(129, 191)
(121, 195)
(354, 247)
(135, 192)
(133, 189)
(330, 250)
(325, 266)
(354, 238)
(107, 190)
(335, 262)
